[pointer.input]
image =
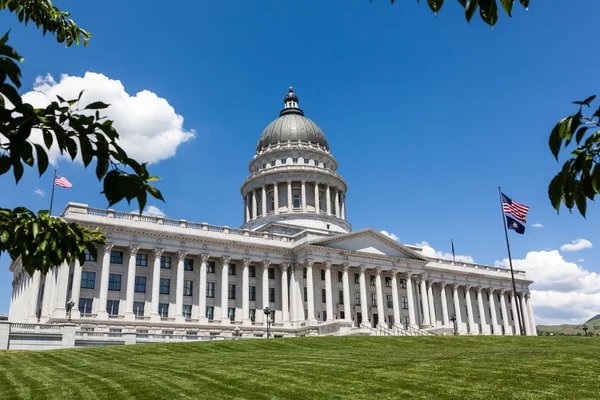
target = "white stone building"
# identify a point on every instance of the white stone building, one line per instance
(295, 254)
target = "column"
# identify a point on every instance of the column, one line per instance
(424, 303)
(48, 291)
(445, 320)
(337, 203)
(179, 318)
(224, 289)
(202, 290)
(346, 288)
(364, 310)
(265, 285)
(457, 312)
(303, 204)
(328, 299)
(276, 197)
(289, 196)
(35, 294)
(247, 208)
(495, 327)
(343, 206)
(379, 291)
(525, 314)
(129, 316)
(60, 311)
(246, 292)
(76, 290)
(317, 205)
(328, 199)
(507, 328)
(292, 290)
(254, 205)
(513, 305)
(154, 316)
(285, 315)
(530, 312)
(482, 323)
(101, 313)
(299, 282)
(431, 303)
(264, 200)
(411, 301)
(395, 299)
(308, 264)
(471, 319)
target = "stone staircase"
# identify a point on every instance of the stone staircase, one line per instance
(366, 330)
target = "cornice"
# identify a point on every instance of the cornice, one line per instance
(282, 173)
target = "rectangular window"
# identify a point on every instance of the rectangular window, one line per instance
(163, 310)
(231, 269)
(283, 161)
(406, 322)
(141, 260)
(165, 262)
(356, 278)
(340, 276)
(188, 264)
(372, 280)
(210, 312)
(341, 296)
(210, 289)
(271, 273)
(210, 267)
(85, 306)
(402, 283)
(116, 257)
(272, 163)
(323, 296)
(231, 292)
(305, 293)
(373, 299)
(188, 288)
(140, 284)
(264, 165)
(112, 307)
(390, 301)
(317, 163)
(252, 314)
(231, 314)
(306, 161)
(322, 274)
(296, 200)
(324, 315)
(357, 298)
(252, 293)
(252, 271)
(295, 160)
(187, 311)
(404, 302)
(89, 256)
(138, 308)
(114, 282)
(88, 280)
(271, 295)
(165, 286)
(388, 281)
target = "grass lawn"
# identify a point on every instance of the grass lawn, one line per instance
(313, 368)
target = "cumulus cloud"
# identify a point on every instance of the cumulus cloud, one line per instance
(429, 251)
(576, 245)
(153, 211)
(150, 130)
(391, 235)
(39, 192)
(537, 226)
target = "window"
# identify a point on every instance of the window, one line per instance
(324, 315)
(231, 270)
(305, 293)
(356, 278)
(112, 307)
(306, 161)
(231, 292)
(390, 301)
(296, 199)
(304, 273)
(322, 274)
(406, 322)
(187, 311)
(85, 306)
(342, 315)
(404, 303)
(273, 163)
(165, 262)
(116, 257)
(357, 298)
(271, 295)
(323, 296)
(88, 280)
(252, 314)
(188, 264)
(272, 316)
(140, 284)
(210, 267)
(403, 283)
(264, 165)
(210, 289)
(89, 256)
(271, 273)
(231, 314)
(372, 280)
(341, 296)
(138, 308)
(188, 288)
(388, 281)
(167, 333)
(114, 282)
(141, 260)
(115, 331)
(340, 276)
(373, 300)
(295, 160)
(283, 161)
(163, 310)
(317, 163)
(324, 165)
(210, 312)
(252, 293)
(252, 271)
(165, 286)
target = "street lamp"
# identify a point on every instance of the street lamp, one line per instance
(585, 328)
(69, 307)
(267, 312)
(453, 319)
(237, 333)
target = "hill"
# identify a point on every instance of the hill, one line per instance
(466, 367)
(593, 325)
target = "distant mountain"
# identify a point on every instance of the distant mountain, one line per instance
(593, 325)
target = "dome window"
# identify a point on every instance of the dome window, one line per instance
(273, 163)
(283, 161)
(264, 165)
(295, 160)
(306, 161)
(317, 163)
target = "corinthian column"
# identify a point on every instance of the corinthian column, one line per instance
(472, 329)
(264, 200)
(224, 289)
(495, 327)
(531, 317)
(364, 310)
(515, 314)
(445, 320)
(317, 205)
(507, 329)
(424, 302)
(35, 293)
(289, 196)
(431, 303)
(310, 301)
(202, 290)
(484, 329)
(411, 301)
(337, 203)
(457, 311)
(102, 314)
(179, 318)
(346, 287)
(254, 205)
(154, 316)
(265, 285)
(246, 292)
(328, 199)
(129, 316)
(276, 198)
(328, 299)
(525, 314)
(284, 293)
(303, 196)
(379, 293)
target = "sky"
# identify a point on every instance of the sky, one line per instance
(427, 115)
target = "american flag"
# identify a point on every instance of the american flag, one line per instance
(62, 182)
(519, 211)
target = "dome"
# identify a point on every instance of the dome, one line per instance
(291, 125)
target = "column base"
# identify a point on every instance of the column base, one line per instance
(129, 316)
(155, 317)
(102, 315)
(179, 319)
(202, 320)
(225, 321)
(246, 322)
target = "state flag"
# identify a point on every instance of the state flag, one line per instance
(514, 224)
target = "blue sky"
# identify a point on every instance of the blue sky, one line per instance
(425, 114)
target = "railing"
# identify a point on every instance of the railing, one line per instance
(479, 266)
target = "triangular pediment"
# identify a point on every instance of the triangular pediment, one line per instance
(368, 241)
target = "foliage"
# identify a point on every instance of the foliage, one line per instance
(579, 178)
(77, 130)
(488, 9)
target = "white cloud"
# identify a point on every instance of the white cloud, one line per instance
(429, 251)
(580, 259)
(391, 235)
(153, 212)
(537, 226)
(576, 245)
(39, 192)
(149, 128)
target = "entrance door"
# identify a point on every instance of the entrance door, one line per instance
(358, 318)
(375, 320)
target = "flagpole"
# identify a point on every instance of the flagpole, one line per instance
(53, 186)
(512, 274)
(453, 257)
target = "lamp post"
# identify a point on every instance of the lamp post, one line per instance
(585, 328)
(69, 307)
(453, 319)
(267, 312)
(237, 333)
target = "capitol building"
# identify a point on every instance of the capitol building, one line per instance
(295, 255)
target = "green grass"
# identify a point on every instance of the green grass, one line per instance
(313, 368)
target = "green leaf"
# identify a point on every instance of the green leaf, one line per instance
(111, 187)
(470, 9)
(435, 5)
(96, 105)
(586, 102)
(463, 2)
(17, 169)
(596, 178)
(488, 10)
(72, 147)
(525, 3)
(555, 140)
(42, 159)
(580, 200)
(154, 192)
(580, 134)
(507, 5)
(4, 164)
(48, 138)
(101, 167)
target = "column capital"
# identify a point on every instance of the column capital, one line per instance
(363, 268)
(265, 263)
(346, 266)
(455, 286)
(394, 273)
(308, 263)
(284, 266)
(181, 254)
(133, 249)
(479, 289)
(408, 275)
(289, 182)
(502, 291)
(491, 290)
(108, 247)
(204, 257)
(467, 287)
(303, 182)
(157, 251)
(225, 259)
(378, 271)
(327, 264)
(246, 261)
(527, 295)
